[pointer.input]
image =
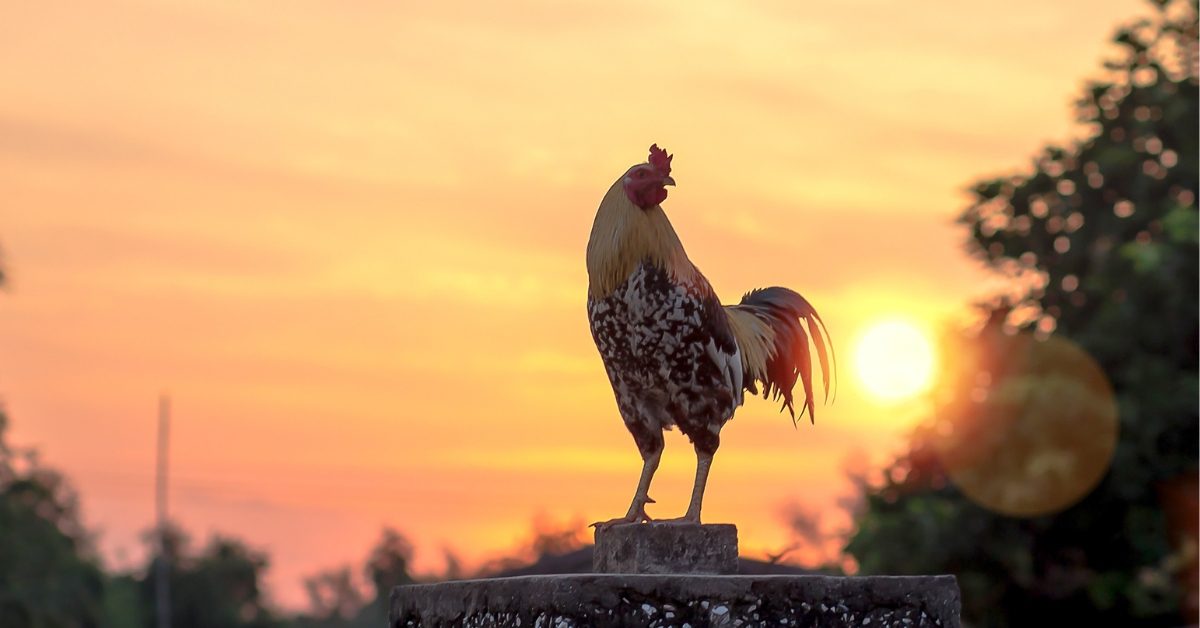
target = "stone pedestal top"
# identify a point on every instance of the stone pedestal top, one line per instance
(662, 548)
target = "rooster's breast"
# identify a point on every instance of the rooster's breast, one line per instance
(668, 351)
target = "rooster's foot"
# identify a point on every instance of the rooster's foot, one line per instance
(636, 514)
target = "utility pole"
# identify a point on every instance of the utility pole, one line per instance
(162, 594)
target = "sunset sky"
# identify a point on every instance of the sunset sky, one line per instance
(347, 239)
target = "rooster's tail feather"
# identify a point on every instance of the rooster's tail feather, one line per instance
(769, 325)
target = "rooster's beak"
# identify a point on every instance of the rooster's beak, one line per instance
(667, 180)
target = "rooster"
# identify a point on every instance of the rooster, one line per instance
(674, 355)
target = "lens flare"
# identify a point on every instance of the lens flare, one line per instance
(1037, 434)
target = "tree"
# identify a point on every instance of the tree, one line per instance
(1101, 242)
(334, 597)
(388, 566)
(48, 573)
(220, 587)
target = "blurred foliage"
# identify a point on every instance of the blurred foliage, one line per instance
(48, 574)
(387, 566)
(221, 586)
(50, 578)
(337, 601)
(1101, 242)
(334, 597)
(218, 587)
(547, 537)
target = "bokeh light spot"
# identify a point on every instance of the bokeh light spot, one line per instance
(1042, 436)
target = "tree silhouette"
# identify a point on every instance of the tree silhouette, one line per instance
(217, 587)
(48, 573)
(333, 596)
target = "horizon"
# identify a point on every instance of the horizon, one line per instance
(356, 266)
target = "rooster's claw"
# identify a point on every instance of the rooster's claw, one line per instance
(637, 514)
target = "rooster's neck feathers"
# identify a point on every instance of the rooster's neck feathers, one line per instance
(624, 236)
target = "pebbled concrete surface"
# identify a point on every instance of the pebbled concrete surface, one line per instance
(680, 600)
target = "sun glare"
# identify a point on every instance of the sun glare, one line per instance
(894, 360)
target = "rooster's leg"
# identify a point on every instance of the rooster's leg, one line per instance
(705, 449)
(703, 463)
(637, 509)
(651, 450)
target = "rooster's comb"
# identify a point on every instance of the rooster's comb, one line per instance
(660, 159)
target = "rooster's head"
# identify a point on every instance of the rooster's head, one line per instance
(645, 183)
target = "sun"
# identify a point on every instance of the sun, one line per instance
(894, 360)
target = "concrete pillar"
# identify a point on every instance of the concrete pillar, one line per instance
(676, 575)
(666, 548)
